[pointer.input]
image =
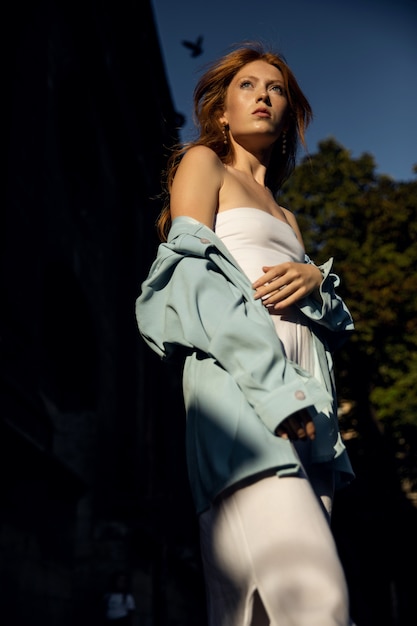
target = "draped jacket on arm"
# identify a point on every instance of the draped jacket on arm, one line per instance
(238, 384)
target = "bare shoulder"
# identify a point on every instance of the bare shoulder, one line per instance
(201, 156)
(196, 185)
(289, 215)
(292, 221)
(201, 165)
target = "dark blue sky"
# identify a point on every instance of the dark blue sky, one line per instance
(356, 61)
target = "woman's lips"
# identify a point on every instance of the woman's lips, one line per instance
(262, 113)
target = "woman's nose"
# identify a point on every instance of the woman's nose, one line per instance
(264, 97)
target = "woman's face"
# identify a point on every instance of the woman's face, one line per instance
(256, 105)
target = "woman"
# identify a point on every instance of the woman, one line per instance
(257, 321)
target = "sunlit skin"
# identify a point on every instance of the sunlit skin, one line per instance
(256, 108)
(254, 117)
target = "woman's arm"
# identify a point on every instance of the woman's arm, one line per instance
(196, 185)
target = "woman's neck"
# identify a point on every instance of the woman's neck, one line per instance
(252, 168)
(252, 164)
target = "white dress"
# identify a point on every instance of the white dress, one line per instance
(255, 239)
(268, 553)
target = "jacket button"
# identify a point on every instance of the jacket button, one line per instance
(300, 395)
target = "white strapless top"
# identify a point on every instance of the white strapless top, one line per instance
(256, 238)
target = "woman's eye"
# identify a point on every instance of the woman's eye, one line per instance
(278, 89)
(246, 83)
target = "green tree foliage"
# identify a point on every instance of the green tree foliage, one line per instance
(367, 222)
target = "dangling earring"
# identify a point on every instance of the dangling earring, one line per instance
(284, 142)
(224, 133)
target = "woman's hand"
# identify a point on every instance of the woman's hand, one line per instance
(297, 426)
(284, 284)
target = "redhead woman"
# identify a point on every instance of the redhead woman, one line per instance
(234, 291)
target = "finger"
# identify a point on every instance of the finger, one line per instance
(298, 430)
(283, 301)
(272, 297)
(281, 298)
(294, 427)
(276, 291)
(310, 430)
(301, 433)
(280, 432)
(273, 284)
(308, 424)
(270, 273)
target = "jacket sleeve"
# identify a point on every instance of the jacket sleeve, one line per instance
(192, 304)
(333, 321)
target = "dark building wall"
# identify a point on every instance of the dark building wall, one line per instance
(93, 476)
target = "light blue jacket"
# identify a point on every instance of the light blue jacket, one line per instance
(238, 385)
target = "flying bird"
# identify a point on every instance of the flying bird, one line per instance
(195, 47)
